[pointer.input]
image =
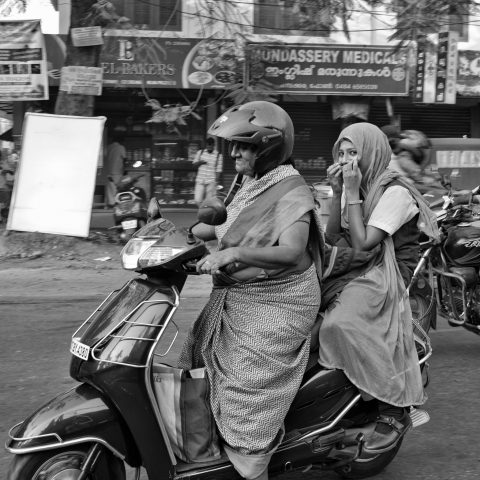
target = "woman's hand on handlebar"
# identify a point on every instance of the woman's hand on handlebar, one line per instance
(213, 262)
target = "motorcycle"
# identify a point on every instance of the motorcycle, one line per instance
(453, 264)
(113, 417)
(130, 208)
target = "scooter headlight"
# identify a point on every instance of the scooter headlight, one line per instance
(133, 250)
(156, 255)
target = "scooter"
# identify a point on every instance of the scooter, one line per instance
(130, 209)
(112, 417)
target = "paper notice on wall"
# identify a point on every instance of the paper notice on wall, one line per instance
(55, 181)
(23, 66)
(81, 80)
(86, 36)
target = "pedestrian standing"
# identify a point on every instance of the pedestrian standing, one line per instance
(210, 162)
(114, 167)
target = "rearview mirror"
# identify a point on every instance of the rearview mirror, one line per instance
(212, 212)
(153, 210)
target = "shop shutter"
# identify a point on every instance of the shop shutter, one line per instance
(315, 134)
(436, 121)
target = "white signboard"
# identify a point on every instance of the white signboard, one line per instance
(55, 182)
(81, 80)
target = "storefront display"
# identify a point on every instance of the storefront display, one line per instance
(173, 173)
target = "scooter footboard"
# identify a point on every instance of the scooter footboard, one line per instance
(80, 415)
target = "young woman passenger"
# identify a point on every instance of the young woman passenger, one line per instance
(253, 335)
(367, 330)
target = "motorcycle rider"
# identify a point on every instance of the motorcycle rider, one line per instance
(253, 335)
(367, 329)
(410, 157)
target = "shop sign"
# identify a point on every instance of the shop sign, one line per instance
(436, 68)
(446, 67)
(86, 36)
(468, 73)
(327, 69)
(23, 66)
(81, 80)
(156, 62)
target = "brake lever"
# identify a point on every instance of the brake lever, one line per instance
(190, 266)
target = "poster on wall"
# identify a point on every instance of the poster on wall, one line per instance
(468, 73)
(23, 67)
(170, 62)
(55, 183)
(327, 69)
(76, 79)
(47, 11)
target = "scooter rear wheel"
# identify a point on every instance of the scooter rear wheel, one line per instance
(368, 465)
(64, 464)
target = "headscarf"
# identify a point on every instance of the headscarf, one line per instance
(370, 143)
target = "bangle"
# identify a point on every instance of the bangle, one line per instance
(354, 202)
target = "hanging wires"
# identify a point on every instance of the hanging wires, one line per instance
(316, 30)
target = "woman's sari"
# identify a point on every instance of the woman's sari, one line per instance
(253, 337)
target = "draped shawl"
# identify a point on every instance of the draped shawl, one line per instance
(368, 331)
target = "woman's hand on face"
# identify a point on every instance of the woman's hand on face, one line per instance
(352, 177)
(334, 174)
(213, 262)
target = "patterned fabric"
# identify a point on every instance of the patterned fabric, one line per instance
(250, 192)
(253, 338)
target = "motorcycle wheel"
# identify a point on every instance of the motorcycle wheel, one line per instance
(368, 465)
(424, 310)
(64, 464)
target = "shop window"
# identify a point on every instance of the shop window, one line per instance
(152, 14)
(291, 17)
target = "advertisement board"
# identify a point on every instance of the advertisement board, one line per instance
(169, 62)
(327, 69)
(468, 76)
(23, 66)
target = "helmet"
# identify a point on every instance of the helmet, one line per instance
(263, 124)
(415, 142)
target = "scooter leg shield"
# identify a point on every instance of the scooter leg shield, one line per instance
(77, 416)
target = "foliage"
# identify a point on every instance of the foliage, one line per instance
(171, 115)
(415, 17)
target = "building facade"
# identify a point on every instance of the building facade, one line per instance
(176, 67)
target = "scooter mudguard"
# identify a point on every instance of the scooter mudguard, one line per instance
(80, 415)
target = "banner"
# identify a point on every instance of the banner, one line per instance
(468, 76)
(156, 62)
(446, 68)
(327, 69)
(436, 73)
(23, 67)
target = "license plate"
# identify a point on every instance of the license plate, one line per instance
(79, 349)
(127, 224)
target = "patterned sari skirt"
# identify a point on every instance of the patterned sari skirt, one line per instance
(253, 339)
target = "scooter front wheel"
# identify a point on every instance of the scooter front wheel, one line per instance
(64, 464)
